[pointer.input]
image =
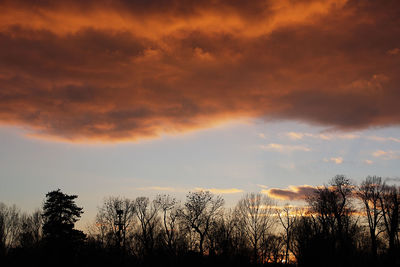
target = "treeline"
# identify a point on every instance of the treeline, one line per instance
(342, 224)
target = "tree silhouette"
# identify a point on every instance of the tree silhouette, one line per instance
(287, 217)
(31, 227)
(146, 213)
(341, 225)
(60, 213)
(256, 213)
(201, 209)
(390, 205)
(170, 212)
(9, 227)
(370, 192)
(110, 230)
(333, 222)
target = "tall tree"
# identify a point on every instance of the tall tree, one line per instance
(287, 217)
(201, 208)
(333, 221)
(111, 230)
(146, 213)
(60, 213)
(170, 212)
(10, 227)
(333, 207)
(390, 205)
(31, 229)
(256, 213)
(370, 192)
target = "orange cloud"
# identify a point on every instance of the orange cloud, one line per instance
(292, 193)
(127, 70)
(337, 160)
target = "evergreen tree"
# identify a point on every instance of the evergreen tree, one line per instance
(60, 213)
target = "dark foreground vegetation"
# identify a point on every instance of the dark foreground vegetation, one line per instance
(341, 225)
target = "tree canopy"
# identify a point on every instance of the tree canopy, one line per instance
(60, 213)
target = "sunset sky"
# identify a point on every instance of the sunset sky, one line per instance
(131, 98)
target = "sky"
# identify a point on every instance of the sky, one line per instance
(130, 98)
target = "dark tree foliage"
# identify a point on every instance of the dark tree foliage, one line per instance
(60, 213)
(390, 205)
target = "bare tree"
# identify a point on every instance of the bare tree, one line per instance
(370, 192)
(201, 208)
(223, 234)
(10, 227)
(226, 235)
(256, 213)
(110, 229)
(390, 202)
(31, 229)
(333, 206)
(287, 217)
(170, 213)
(146, 213)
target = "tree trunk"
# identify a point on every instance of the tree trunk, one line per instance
(201, 244)
(373, 244)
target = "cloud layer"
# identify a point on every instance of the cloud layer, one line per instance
(126, 70)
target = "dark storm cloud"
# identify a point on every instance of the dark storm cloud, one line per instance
(125, 70)
(293, 193)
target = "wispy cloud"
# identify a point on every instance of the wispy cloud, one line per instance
(337, 160)
(299, 135)
(368, 161)
(383, 139)
(347, 136)
(295, 136)
(220, 190)
(284, 148)
(182, 189)
(387, 155)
